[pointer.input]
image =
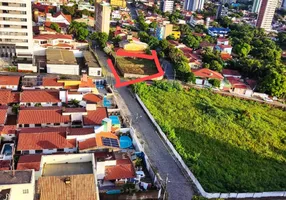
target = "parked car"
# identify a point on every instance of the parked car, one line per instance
(267, 99)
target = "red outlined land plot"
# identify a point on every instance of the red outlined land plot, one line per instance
(142, 55)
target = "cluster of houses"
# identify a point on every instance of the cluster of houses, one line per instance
(65, 133)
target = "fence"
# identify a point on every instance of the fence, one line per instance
(192, 176)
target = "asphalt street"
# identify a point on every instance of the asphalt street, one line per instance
(179, 185)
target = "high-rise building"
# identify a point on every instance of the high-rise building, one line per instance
(266, 13)
(283, 5)
(256, 6)
(118, 3)
(194, 5)
(102, 17)
(16, 34)
(163, 31)
(167, 6)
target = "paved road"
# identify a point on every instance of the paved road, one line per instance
(168, 68)
(179, 185)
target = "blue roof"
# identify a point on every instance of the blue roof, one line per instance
(215, 29)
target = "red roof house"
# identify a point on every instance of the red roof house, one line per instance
(205, 73)
(122, 170)
(8, 97)
(29, 162)
(47, 97)
(95, 117)
(9, 82)
(3, 114)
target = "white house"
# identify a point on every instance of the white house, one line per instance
(222, 41)
(18, 184)
(231, 73)
(224, 48)
(59, 17)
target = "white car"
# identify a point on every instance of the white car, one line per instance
(268, 99)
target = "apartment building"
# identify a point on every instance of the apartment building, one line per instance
(102, 17)
(256, 6)
(167, 6)
(163, 31)
(118, 3)
(194, 5)
(266, 14)
(16, 34)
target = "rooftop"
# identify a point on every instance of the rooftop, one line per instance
(124, 168)
(40, 115)
(79, 187)
(80, 131)
(5, 164)
(90, 59)
(29, 162)
(207, 73)
(35, 96)
(52, 37)
(9, 80)
(20, 177)
(60, 56)
(7, 97)
(3, 114)
(95, 117)
(92, 98)
(231, 72)
(49, 81)
(44, 140)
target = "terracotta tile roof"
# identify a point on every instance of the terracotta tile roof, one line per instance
(7, 97)
(222, 39)
(74, 110)
(231, 72)
(88, 83)
(236, 83)
(81, 187)
(67, 17)
(40, 115)
(44, 130)
(5, 164)
(207, 73)
(225, 46)
(3, 114)
(123, 169)
(95, 117)
(8, 129)
(62, 25)
(80, 131)
(97, 141)
(206, 44)
(38, 96)
(47, 81)
(252, 83)
(52, 36)
(29, 162)
(92, 98)
(44, 140)
(9, 80)
(225, 56)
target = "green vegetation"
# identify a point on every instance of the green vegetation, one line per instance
(79, 30)
(231, 145)
(55, 27)
(136, 66)
(100, 37)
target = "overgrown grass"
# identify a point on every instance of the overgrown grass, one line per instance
(231, 145)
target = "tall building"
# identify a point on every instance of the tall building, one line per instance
(266, 13)
(16, 31)
(256, 6)
(102, 17)
(283, 5)
(118, 3)
(167, 6)
(163, 31)
(194, 5)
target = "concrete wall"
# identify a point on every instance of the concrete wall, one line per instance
(12, 87)
(195, 180)
(29, 67)
(94, 71)
(62, 69)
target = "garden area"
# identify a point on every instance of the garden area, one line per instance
(136, 66)
(231, 145)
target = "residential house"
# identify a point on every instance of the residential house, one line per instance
(95, 117)
(9, 82)
(194, 59)
(92, 64)
(203, 76)
(42, 117)
(61, 62)
(237, 86)
(88, 20)
(7, 97)
(39, 82)
(63, 26)
(58, 17)
(205, 44)
(177, 44)
(224, 48)
(231, 73)
(45, 141)
(221, 32)
(32, 161)
(222, 41)
(176, 34)
(86, 6)
(40, 98)
(3, 115)
(18, 184)
(196, 21)
(5, 165)
(114, 168)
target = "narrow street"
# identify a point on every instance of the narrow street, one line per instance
(179, 185)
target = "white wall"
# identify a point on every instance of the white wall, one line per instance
(76, 116)
(100, 167)
(94, 71)
(75, 96)
(29, 67)
(12, 87)
(63, 69)
(81, 137)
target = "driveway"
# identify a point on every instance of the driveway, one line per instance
(170, 73)
(179, 185)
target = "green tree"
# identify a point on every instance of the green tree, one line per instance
(153, 42)
(192, 41)
(144, 37)
(55, 27)
(153, 24)
(185, 29)
(85, 12)
(69, 10)
(164, 44)
(225, 21)
(170, 37)
(214, 82)
(190, 77)
(282, 38)
(242, 49)
(116, 40)
(216, 66)
(82, 34)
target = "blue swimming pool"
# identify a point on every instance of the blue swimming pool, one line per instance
(7, 149)
(114, 119)
(125, 142)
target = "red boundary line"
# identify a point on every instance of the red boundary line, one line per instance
(154, 57)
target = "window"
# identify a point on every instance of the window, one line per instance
(25, 191)
(24, 27)
(25, 152)
(5, 4)
(60, 150)
(22, 47)
(37, 125)
(6, 26)
(26, 125)
(55, 104)
(56, 124)
(66, 123)
(39, 151)
(98, 73)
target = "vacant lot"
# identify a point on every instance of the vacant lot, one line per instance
(136, 66)
(231, 145)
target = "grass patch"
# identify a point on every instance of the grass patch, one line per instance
(231, 145)
(136, 66)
